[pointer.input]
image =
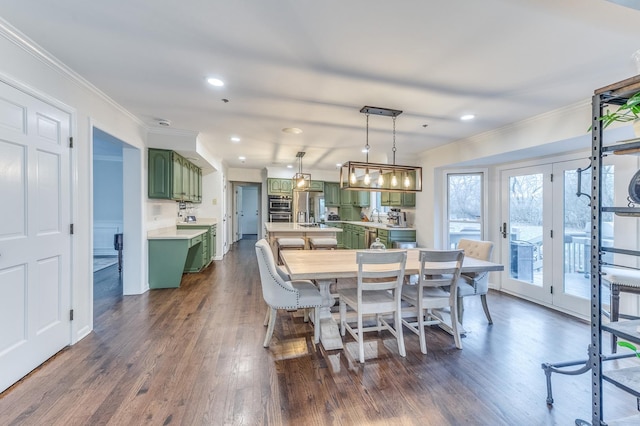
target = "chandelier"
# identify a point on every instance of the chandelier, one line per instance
(301, 181)
(366, 176)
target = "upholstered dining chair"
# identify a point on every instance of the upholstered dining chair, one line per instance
(474, 283)
(280, 293)
(380, 277)
(436, 289)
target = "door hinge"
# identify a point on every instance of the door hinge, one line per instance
(71, 229)
(551, 233)
(71, 142)
(551, 177)
(71, 315)
(551, 289)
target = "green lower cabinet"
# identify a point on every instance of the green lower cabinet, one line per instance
(168, 259)
(195, 264)
(358, 239)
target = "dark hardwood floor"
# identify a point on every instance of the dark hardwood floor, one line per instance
(194, 356)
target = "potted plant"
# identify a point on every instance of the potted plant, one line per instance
(629, 111)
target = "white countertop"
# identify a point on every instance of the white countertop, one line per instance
(201, 221)
(373, 225)
(174, 234)
(298, 227)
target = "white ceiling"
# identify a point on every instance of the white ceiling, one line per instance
(314, 64)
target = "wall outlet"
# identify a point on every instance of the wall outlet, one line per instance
(214, 201)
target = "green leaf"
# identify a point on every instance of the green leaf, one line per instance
(629, 346)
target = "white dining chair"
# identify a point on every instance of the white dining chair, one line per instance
(380, 277)
(436, 289)
(280, 293)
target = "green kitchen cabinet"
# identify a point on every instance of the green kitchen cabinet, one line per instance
(169, 258)
(389, 236)
(173, 177)
(276, 186)
(354, 198)
(332, 194)
(398, 199)
(198, 261)
(159, 174)
(350, 213)
(358, 237)
(316, 185)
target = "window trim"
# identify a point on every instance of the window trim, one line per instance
(484, 173)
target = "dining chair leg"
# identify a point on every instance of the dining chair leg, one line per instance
(343, 318)
(399, 333)
(455, 325)
(422, 331)
(272, 323)
(360, 339)
(485, 307)
(267, 315)
(316, 325)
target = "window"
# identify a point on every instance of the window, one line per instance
(465, 204)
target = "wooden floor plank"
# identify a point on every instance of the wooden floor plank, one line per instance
(194, 355)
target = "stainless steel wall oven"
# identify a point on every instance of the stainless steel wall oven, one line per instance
(280, 208)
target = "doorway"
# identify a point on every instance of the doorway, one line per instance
(108, 220)
(246, 210)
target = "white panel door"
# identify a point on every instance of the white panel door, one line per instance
(35, 244)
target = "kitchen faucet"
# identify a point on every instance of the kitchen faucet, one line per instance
(375, 209)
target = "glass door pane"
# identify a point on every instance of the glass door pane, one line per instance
(526, 242)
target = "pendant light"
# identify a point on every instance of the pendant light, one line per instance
(301, 181)
(359, 176)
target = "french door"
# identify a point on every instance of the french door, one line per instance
(546, 232)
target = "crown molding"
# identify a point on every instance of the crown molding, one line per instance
(16, 37)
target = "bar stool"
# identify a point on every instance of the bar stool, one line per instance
(318, 243)
(619, 280)
(289, 244)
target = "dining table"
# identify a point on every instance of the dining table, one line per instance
(326, 266)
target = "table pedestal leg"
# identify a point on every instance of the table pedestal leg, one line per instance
(329, 331)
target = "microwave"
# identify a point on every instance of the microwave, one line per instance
(279, 204)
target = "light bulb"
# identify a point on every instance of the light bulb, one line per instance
(367, 178)
(300, 182)
(407, 181)
(353, 178)
(380, 179)
(394, 180)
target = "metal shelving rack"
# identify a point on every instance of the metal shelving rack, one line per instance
(627, 379)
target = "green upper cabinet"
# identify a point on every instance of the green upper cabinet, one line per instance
(331, 194)
(398, 199)
(172, 177)
(354, 198)
(279, 186)
(316, 185)
(159, 174)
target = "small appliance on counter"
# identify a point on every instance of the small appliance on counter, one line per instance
(333, 216)
(190, 219)
(397, 218)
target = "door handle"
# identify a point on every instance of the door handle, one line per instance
(503, 230)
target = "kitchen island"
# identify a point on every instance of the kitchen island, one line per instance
(275, 230)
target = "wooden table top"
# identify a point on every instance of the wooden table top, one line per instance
(328, 264)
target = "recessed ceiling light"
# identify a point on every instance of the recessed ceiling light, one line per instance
(289, 166)
(235, 139)
(467, 117)
(242, 158)
(365, 150)
(292, 130)
(338, 164)
(215, 82)
(163, 122)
